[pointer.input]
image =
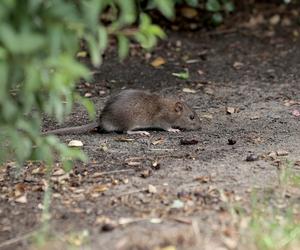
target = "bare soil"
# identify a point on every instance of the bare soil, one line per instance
(255, 73)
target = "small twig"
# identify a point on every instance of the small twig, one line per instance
(133, 192)
(17, 239)
(162, 149)
(220, 32)
(182, 220)
(114, 172)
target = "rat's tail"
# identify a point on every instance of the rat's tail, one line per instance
(73, 130)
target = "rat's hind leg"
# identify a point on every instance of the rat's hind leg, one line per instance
(137, 132)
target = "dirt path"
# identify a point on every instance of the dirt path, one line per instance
(190, 184)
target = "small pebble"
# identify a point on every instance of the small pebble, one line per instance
(252, 157)
(231, 141)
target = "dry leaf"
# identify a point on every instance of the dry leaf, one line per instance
(152, 189)
(96, 175)
(282, 153)
(146, 173)
(103, 220)
(289, 103)
(99, 188)
(104, 148)
(203, 179)
(188, 12)
(207, 116)
(230, 242)
(60, 178)
(39, 170)
(272, 155)
(58, 172)
(20, 189)
(22, 199)
(81, 53)
(157, 62)
(159, 141)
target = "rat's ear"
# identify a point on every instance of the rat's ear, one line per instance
(178, 107)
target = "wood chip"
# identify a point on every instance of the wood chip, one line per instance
(282, 153)
(75, 143)
(188, 90)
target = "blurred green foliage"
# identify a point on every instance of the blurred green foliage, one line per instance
(38, 68)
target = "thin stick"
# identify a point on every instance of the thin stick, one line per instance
(133, 192)
(17, 239)
(114, 172)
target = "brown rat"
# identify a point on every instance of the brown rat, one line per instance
(137, 109)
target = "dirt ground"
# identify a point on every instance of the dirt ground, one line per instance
(141, 192)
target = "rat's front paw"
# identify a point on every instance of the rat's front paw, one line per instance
(173, 130)
(130, 132)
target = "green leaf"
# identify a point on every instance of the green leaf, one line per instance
(67, 165)
(192, 3)
(123, 46)
(24, 42)
(128, 11)
(94, 50)
(9, 111)
(91, 12)
(157, 31)
(182, 75)
(166, 7)
(213, 5)
(102, 38)
(217, 18)
(89, 106)
(3, 81)
(228, 5)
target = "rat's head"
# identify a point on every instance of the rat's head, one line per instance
(186, 117)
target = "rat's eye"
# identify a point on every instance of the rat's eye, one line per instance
(192, 117)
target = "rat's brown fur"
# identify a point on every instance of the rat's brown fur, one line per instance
(136, 109)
